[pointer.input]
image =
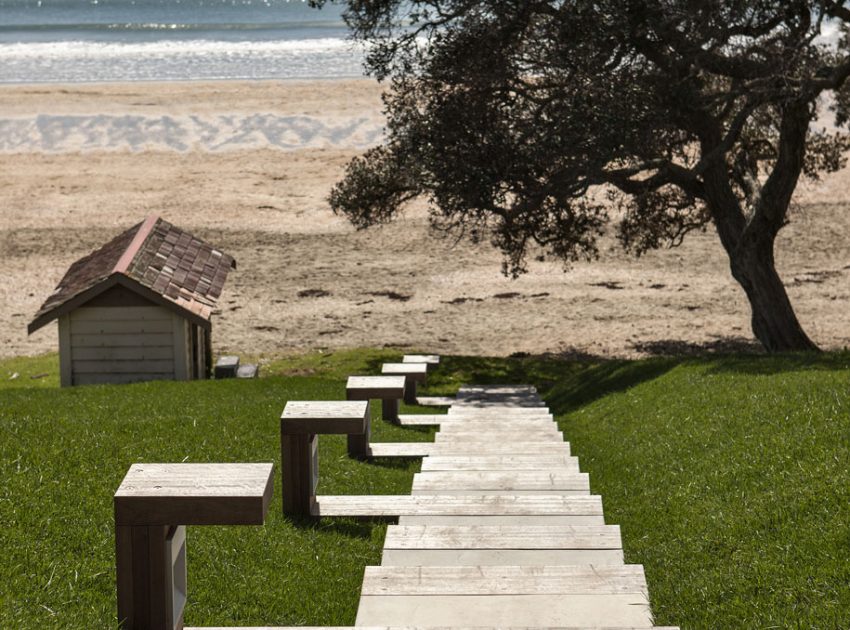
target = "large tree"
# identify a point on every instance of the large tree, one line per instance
(533, 123)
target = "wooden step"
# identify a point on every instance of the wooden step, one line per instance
(498, 480)
(503, 537)
(435, 401)
(420, 419)
(498, 462)
(448, 505)
(488, 435)
(504, 580)
(545, 596)
(424, 449)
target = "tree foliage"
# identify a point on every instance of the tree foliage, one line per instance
(511, 115)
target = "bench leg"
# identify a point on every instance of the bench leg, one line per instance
(358, 443)
(299, 466)
(389, 408)
(144, 579)
(410, 390)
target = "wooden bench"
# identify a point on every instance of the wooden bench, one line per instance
(153, 505)
(413, 374)
(388, 389)
(301, 423)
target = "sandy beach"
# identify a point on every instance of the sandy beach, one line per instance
(248, 166)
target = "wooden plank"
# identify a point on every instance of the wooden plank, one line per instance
(504, 580)
(66, 352)
(495, 447)
(139, 353)
(503, 537)
(430, 359)
(124, 367)
(435, 401)
(502, 519)
(368, 387)
(182, 348)
(499, 557)
(504, 462)
(194, 494)
(404, 628)
(543, 427)
(423, 449)
(400, 449)
(496, 480)
(119, 379)
(415, 370)
(325, 417)
(121, 341)
(497, 389)
(488, 436)
(118, 327)
(142, 313)
(533, 611)
(396, 505)
(419, 420)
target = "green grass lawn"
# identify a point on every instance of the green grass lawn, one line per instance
(729, 476)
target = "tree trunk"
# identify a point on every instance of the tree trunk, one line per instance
(773, 320)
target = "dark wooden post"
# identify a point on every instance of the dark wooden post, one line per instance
(299, 464)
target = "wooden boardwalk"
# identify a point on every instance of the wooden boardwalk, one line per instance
(500, 529)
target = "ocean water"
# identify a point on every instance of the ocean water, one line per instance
(50, 41)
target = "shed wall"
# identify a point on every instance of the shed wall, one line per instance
(122, 344)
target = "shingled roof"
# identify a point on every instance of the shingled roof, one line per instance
(156, 260)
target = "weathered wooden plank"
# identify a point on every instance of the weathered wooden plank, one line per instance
(423, 449)
(501, 519)
(498, 493)
(497, 389)
(503, 537)
(123, 367)
(500, 462)
(541, 611)
(111, 313)
(504, 580)
(130, 353)
(430, 359)
(119, 379)
(194, 494)
(121, 341)
(498, 557)
(396, 505)
(486, 435)
(117, 327)
(408, 628)
(435, 401)
(326, 417)
(419, 420)
(66, 352)
(496, 480)
(415, 370)
(400, 449)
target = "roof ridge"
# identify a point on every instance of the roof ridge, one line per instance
(136, 244)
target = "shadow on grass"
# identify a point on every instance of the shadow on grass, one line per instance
(390, 462)
(679, 348)
(778, 363)
(351, 527)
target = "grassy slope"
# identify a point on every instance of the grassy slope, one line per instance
(730, 478)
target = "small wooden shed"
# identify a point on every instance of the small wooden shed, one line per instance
(138, 308)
